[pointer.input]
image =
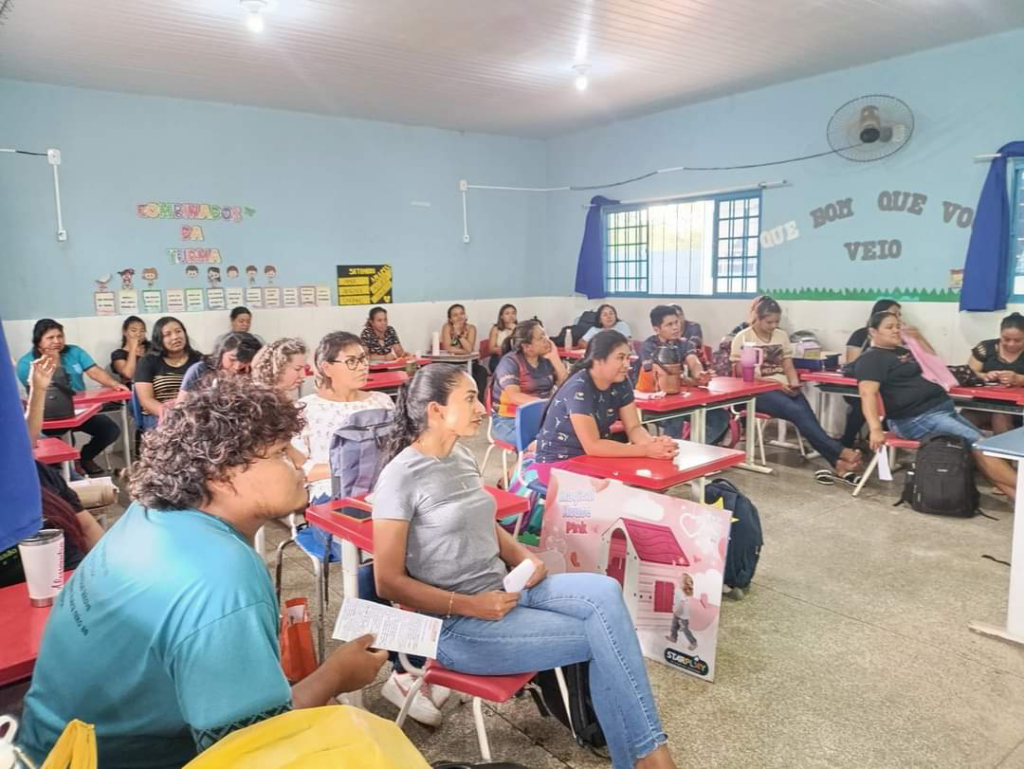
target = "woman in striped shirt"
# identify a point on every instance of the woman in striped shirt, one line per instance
(159, 373)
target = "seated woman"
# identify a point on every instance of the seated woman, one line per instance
(158, 375)
(999, 360)
(855, 345)
(48, 341)
(529, 370)
(607, 318)
(596, 394)
(380, 339)
(914, 407)
(458, 337)
(789, 403)
(233, 354)
(508, 317)
(438, 551)
(341, 366)
(133, 346)
(281, 365)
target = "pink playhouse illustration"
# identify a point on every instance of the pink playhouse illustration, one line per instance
(647, 560)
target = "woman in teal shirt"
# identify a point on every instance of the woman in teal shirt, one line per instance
(48, 340)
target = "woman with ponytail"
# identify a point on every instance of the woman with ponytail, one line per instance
(438, 550)
(596, 394)
(529, 370)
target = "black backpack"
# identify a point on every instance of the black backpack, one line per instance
(586, 322)
(582, 720)
(59, 403)
(941, 481)
(745, 536)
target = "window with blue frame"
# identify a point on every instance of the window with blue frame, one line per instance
(1017, 231)
(703, 247)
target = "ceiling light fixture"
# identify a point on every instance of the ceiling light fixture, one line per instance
(581, 76)
(254, 14)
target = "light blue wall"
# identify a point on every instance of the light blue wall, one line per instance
(326, 191)
(967, 100)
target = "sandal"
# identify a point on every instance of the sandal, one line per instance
(850, 479)
(825, 477)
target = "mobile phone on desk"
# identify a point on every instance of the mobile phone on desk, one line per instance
(356, 512)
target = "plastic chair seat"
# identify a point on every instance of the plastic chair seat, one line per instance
(490, 688)
(503, 445)
(891, 439)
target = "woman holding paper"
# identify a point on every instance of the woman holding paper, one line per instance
(915, 407)
(439, 551)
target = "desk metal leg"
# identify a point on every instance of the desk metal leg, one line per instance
(350, 589)
(1013, 630)
(65, 471)
(126, 438)
(749, 439)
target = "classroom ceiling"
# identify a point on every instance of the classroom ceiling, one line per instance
(497, 66)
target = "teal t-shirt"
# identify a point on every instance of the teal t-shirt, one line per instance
(73, 359)
(165, 639)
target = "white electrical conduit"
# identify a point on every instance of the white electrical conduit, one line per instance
(465, 186)
(53, 158)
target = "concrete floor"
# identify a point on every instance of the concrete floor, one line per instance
(850, 650)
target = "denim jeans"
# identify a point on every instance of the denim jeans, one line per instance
(569, 618)
(504, 429)
(938, 421)
(715, 426)
(798, 411)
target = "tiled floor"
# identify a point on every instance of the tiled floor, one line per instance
(850, 650)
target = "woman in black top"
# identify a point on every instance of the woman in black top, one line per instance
(133, 346)
(1000, 361)
(159, 374)
(915, 408)
(855, 345)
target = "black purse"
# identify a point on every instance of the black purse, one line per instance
(59, 402)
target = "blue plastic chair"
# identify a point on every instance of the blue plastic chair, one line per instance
(528, 424)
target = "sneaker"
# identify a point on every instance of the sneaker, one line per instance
(92, 469)
(438, 694)
(395, 690)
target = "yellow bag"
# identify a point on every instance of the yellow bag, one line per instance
(331, 737)
(74, 749)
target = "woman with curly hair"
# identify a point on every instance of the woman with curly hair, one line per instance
(281, 365)
(176, 599)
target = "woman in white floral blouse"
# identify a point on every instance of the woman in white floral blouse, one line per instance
(340, 366)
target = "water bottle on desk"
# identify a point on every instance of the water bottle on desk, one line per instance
(751, 357)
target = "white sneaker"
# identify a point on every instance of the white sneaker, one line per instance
(438, 694)
(396, 689)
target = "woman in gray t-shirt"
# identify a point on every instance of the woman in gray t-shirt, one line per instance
(438, 550)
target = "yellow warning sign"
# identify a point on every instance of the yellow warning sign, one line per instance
(364, 284)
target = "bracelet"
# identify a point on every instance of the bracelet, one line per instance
(451, 600)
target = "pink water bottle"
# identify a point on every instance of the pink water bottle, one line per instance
(750, 356)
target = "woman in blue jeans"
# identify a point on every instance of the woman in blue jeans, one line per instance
(776, 364)
(915, 407)
(438, 551)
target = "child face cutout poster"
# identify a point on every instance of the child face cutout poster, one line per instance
(667, 553)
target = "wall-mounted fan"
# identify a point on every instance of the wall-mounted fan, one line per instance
(870, 128)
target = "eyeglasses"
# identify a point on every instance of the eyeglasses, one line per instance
(354, 363)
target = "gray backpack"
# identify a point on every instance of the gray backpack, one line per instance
(356, 448)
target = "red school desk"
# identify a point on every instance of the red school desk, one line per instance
(110, 395)
(698, 461)
(53, 451)
(82, 415)
(21, 631)
(386, 380)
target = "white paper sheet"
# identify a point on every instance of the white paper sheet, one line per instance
(393, 629)
(884, 471)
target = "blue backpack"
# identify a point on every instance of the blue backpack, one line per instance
(356, 448)
(745, 537)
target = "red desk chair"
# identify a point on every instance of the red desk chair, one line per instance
(480, 688)
(494, 443)
(892, 443)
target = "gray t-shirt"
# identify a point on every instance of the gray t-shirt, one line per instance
(452, 541)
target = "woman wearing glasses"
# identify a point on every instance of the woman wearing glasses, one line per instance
(341, 365)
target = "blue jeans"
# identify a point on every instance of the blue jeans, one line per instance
(569, 618)
(798, 411)
(504, 429)
(943, 420)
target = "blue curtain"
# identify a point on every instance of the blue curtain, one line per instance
(19, 483)
(590, 265)
(988, 254)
